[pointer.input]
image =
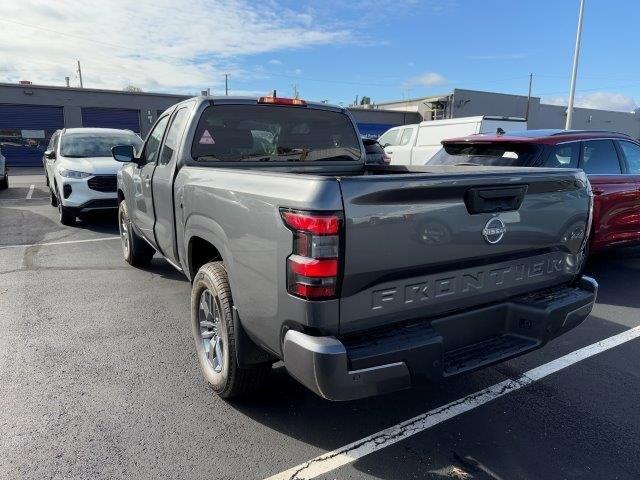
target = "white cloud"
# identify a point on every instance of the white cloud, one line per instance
(598, 100)
(162, 45)
(274, 62)
(429, 79)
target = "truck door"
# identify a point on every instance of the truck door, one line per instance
(402, 151)
(142, 204)
(614, 193)
(389, 141)
(162, 186)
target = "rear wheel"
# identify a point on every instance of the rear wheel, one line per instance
(214, 335)
(135, 250)
(4, 183)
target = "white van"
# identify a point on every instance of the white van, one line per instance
(416, 144)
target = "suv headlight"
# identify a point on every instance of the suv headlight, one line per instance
(73, 173)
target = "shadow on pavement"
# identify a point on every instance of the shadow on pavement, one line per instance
(616, 271)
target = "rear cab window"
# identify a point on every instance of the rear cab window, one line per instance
(564, 155)
(599, 157)
(501, 154)
(264, 133)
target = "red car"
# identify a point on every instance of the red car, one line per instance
(611, 161)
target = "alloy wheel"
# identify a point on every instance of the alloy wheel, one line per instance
(210, 319)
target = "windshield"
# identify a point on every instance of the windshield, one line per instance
(81, 145)
(486, 154)
(267, 133)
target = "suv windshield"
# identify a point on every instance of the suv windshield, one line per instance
(266, 133)
(498, 154)
(81, 145)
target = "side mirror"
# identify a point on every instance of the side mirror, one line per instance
(50, 154)
(123, 153)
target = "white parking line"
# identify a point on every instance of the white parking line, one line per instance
(350, 453)
(30, 193)
(102, 239)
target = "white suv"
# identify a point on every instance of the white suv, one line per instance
(81, 171)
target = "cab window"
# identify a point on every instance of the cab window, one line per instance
(599, 157)
(631, 153)
(564, 156)
(406, 136)
(390, 138)
(153, 141)
(174, 134)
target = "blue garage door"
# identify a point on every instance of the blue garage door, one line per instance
(111, 118)
(373, 130)
(25, 131)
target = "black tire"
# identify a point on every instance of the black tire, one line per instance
(52, 198)
(226, 378)
(4, 183)
(135, 250)
(65, 215)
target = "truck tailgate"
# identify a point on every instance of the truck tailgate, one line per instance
(422, 245)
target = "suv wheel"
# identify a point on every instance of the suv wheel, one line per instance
(65, 214)
(135, 250)
(4, 183)
(212, 326)
(52, 198)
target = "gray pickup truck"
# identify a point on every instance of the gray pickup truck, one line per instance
(361, 279)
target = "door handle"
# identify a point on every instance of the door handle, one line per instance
(598, 192)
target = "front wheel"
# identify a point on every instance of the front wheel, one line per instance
(4, 183)
(213, 332)
(135, 250)
(65, 215)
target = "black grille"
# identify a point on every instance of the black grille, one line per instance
(103, 183)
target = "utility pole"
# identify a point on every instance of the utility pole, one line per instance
(226, 84)
(80, 74)
(526, 116)
(574, 73)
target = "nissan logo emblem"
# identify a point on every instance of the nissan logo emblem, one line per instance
(494, 230)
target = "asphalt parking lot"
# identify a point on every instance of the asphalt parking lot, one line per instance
(99, 379)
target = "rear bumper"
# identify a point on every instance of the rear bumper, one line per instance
(397, 357)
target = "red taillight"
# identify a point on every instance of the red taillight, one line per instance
(314, 267)
(283, 101)
(310, 223)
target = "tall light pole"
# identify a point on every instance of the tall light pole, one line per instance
(574, 73)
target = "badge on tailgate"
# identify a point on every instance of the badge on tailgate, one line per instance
(452, 286)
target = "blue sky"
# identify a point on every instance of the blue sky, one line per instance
(331, 50)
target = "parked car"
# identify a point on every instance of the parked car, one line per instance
(416, 144)
(610, 160)
(268, 207)
(81, 172)
(4, 173)
(374, 152)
